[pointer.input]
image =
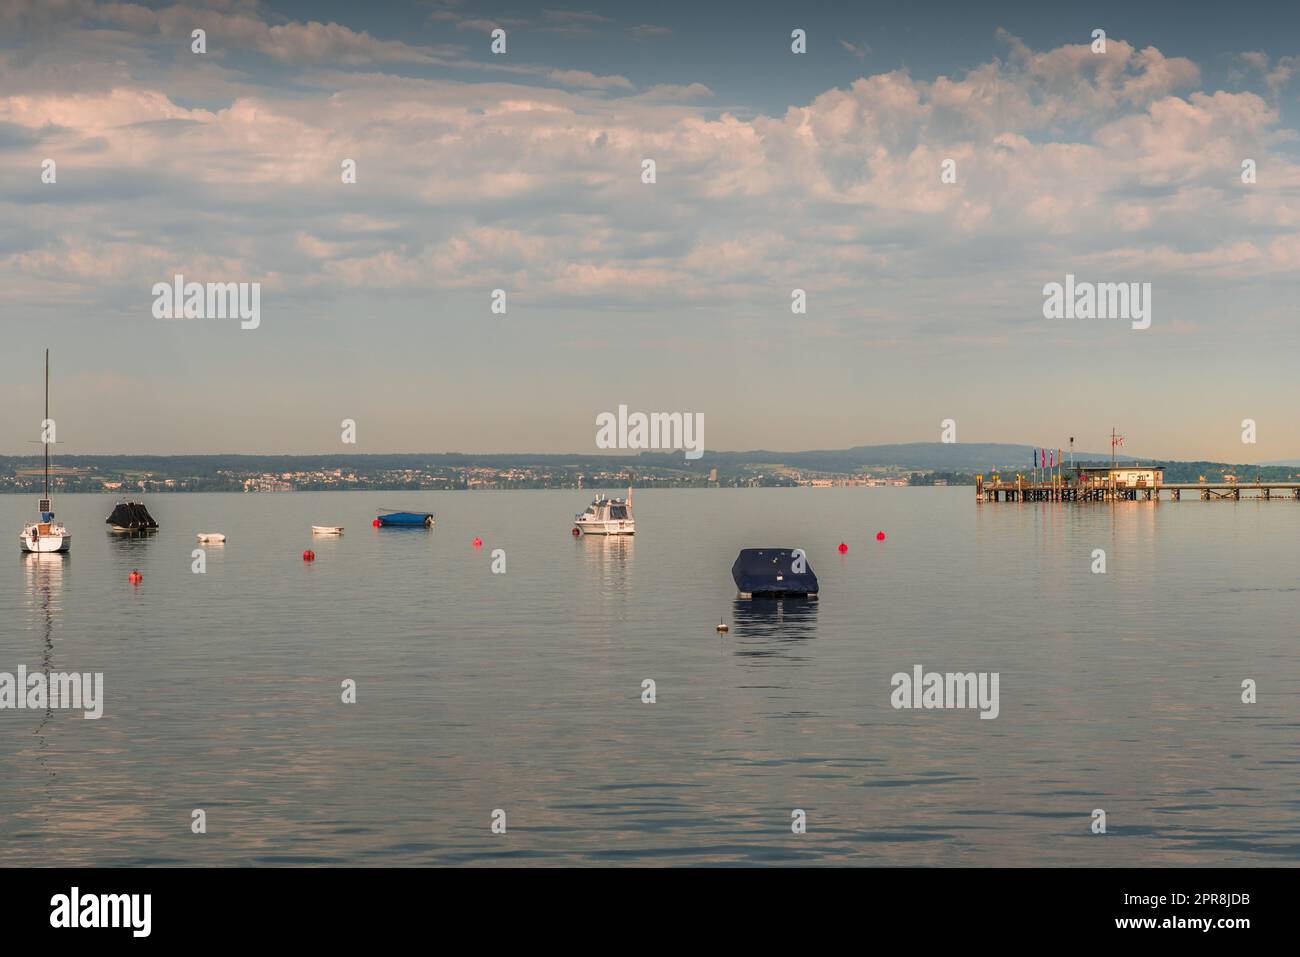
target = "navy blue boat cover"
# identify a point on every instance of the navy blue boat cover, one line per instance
(132, 515)
(757, 569)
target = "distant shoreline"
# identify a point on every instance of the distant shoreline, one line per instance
(921, 463)
(613, 486)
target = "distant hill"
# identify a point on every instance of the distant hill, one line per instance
(937, 456)
(923, 462)
(910, 455)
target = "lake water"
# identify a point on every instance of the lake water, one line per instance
(522, 691)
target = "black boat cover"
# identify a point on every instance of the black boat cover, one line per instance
(774, 571)
(132, 515)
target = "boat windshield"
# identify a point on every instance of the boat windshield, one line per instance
(617, 512)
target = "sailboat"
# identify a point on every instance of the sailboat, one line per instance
(45, 534)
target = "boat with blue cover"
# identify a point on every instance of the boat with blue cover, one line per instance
(774, 573)
(131, 516)
(392, 519)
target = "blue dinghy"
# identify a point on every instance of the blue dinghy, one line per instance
(406, 520)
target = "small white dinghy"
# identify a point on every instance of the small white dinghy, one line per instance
(210, 537)
(327, 529)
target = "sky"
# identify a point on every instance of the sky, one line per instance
(774, 171)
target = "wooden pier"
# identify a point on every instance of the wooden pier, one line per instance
(1065, 490)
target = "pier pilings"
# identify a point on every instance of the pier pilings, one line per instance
(1019, 491)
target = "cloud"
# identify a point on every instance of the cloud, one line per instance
(330, 43)
(589, 81)
(572, 22)
(1276, 74)
(232, 25)
(1063, 157)
(648, 31)
(574, 16)
(671, 91)
(859, 50)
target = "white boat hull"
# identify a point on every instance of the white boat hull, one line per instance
(213, 537)
(45, 544)
(606, 528)
(327, 529)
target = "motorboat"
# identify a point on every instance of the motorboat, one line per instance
(607, 516)
(214, 538)
(45, 535)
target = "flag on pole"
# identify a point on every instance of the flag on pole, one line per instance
(1035, 458)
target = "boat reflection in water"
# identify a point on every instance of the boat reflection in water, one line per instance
(44, 574)
(609, 560)
(773, 627)
(132, 542)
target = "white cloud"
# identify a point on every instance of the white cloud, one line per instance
(588, 81)
(1062, 156)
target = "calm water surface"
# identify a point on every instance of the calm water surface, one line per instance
(522, 691)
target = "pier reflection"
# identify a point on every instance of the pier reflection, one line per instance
(773, 627)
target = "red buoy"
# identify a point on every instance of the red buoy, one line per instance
(843, 548)
(135, 577)
(309, 556)
(576, 533)
(478, 542)
(880, 536)
(376, 523)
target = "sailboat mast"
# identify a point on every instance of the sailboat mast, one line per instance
(46, 424)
